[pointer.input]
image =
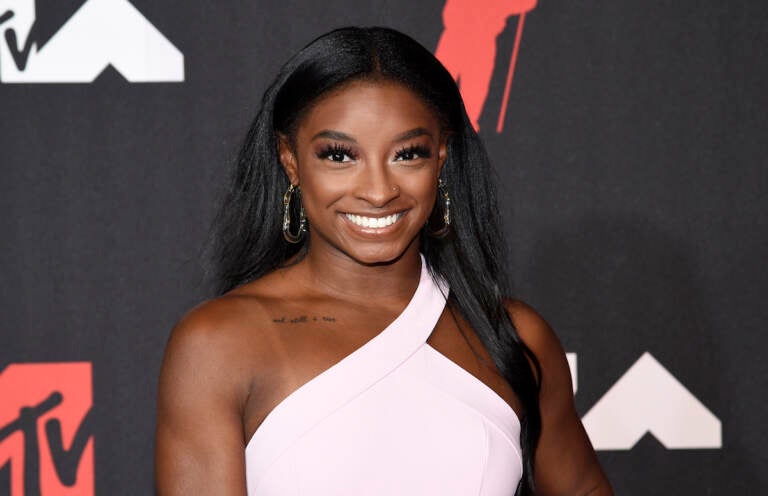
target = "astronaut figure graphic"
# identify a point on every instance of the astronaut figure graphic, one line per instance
(467, 46)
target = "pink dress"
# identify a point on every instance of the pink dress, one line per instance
(395, 417)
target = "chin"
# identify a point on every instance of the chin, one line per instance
(380, 257)
(376, 255)
(369, 248)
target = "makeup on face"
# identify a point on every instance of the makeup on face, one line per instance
(367, 160)
(343, 148)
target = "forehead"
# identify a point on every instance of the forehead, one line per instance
(371, 108)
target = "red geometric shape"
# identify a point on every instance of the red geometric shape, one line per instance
(467, 46)
(45, 429)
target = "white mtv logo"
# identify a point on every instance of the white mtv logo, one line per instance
(99, 34)
(647, 398)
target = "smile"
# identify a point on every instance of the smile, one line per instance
(374, 222)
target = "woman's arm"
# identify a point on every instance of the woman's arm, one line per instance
(199, 444)
(566, 463)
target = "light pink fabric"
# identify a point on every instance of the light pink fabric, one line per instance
(395, 417)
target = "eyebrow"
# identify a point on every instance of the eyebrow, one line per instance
(338, 135)
(413, 133)
(335, 135)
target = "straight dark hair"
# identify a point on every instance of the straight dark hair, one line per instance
(247, 237)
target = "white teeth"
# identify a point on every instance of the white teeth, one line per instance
(374, 222)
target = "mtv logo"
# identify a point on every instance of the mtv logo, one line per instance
(100, 33)
(46, 429)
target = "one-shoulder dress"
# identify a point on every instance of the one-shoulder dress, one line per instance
(394, 417)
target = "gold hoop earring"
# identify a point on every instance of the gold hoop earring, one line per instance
(290, 237)
(443, 231)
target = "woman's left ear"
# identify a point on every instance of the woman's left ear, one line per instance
(287, 158)
(442, 153)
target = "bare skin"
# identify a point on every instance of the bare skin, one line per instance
(371, 149)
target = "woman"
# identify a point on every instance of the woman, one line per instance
(361, 343)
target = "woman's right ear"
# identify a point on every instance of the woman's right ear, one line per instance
(287, 158)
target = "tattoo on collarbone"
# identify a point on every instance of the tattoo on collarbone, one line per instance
(304, 319)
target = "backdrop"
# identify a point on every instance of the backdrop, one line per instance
(630, 143)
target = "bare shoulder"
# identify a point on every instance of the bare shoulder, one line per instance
(214, 326)
(229, 340)
(565, 461)
(205, 380)
(223, 331)
(535, 332)
(204, 352)
(542, 340)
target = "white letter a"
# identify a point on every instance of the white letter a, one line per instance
(647, 398)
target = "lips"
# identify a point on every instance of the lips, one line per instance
(374, 222)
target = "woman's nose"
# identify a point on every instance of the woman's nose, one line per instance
(377, 186)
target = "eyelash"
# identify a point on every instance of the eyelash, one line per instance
(339, 149)
(334, 149)
(419, 150)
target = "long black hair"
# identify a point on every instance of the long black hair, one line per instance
(248, 240)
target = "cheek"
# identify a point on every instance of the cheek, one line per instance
(422, 187)
(319, 188)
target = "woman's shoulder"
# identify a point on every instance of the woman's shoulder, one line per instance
(214, 320)
(228, 330)
(533, 329)
(541, 339)
(528, 320)
(217, 352)
(212, 363)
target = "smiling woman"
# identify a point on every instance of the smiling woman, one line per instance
(363, 341)
(367, 185)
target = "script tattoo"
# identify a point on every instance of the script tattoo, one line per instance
(303, 319)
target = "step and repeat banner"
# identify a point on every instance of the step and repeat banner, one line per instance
(629, 139)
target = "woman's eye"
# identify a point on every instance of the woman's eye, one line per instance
(338, 157)
(412, 153)
(336, 153)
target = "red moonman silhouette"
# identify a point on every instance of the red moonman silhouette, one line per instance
(467, 47)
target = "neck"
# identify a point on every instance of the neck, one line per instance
(336, 274)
